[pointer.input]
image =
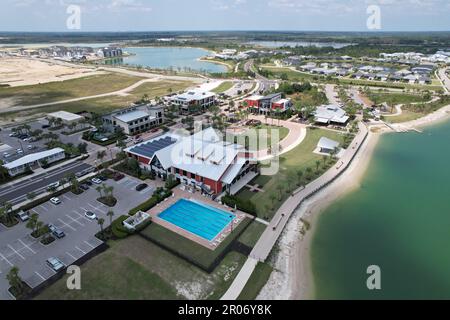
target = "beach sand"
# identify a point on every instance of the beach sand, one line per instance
(292, 276)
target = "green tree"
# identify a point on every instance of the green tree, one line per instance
(33, 223)
(100, 222)
(15, 281)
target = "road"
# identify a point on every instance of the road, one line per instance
(444, 78)
(270, 236)
(17, 192)
(264, 83)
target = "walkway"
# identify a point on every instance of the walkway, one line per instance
(270, 236)
(296, 135)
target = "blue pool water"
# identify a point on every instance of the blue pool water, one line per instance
(197, 218)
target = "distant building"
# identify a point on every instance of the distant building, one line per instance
(194, 99)
(34, 161)
(110, 52)
(330, 114)
(66, 117)
(136, 119)
(266, 104)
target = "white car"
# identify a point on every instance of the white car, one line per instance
(97, 181)
(6, 155)
(55, 264)
(28, 139)
(55, 201)
(90, 215)
(19, 151)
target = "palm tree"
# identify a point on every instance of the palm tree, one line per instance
(100, 222)
(280, 189)
(110, 214)
(317, 165)
(14, 280)
(100, 191)
(32, 224)
(31, 195)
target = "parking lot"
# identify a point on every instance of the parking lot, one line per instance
(18, 248)
(12, 144)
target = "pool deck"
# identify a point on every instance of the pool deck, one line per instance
(181, 194)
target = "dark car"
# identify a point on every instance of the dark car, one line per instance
(141, 187)
(88, 183)
(45, 126)
(103, 178)
(118, 176)
(84, 187)
(56, 232)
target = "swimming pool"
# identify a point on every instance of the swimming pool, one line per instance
(197, 218)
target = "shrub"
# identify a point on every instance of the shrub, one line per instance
(241, 204)
(117, 228)
(157, 197)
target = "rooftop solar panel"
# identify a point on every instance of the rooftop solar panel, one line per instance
(149, 149)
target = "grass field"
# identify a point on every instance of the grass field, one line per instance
(395, 98)
(258, 279)
(224, 86)
(263, 133)
(187, 248)
(107, 104)
(300, 158)
(135, 268)
(404, 117)
(252, 234)
(76, 88)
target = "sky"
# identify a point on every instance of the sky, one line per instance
(180, 15)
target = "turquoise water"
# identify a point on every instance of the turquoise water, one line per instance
(399, 220)
(181, 59)
(200, 219)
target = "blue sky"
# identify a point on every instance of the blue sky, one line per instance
(157, 15)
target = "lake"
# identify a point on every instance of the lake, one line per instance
(398, 220)
(172, 57)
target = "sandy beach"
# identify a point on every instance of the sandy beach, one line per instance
(292, 277)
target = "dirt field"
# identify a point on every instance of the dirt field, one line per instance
(22, 72)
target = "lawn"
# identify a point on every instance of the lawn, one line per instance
(263, 133)
(69, 89)
(108, 104)
(404, 117)
(135, 268)
(300, 158)
(396, 98)
(252, 234)
(257, 281)
(192, 251)
(224, 86)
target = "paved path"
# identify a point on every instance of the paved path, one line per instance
(270, 236)
(444, 79)
(296, 135)
(331, 94)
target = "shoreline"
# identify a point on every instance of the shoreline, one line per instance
(293, 275)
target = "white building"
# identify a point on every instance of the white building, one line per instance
(330, 114)
(34, 161)
(66, 117)
(194, 99)
(136, 119)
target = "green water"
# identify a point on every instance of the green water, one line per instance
(399, 220)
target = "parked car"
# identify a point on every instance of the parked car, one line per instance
(141, 187)
(90, 215)
(45, 126)
(103, 178)
(88, 183)
(30, 147)
(6, 155)
(28, 139)
(55, 264)
(55, 201)
(13, 135)
(56, 232)
(23, 216)
(97, 181)
(84, 187)
(118, 176)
